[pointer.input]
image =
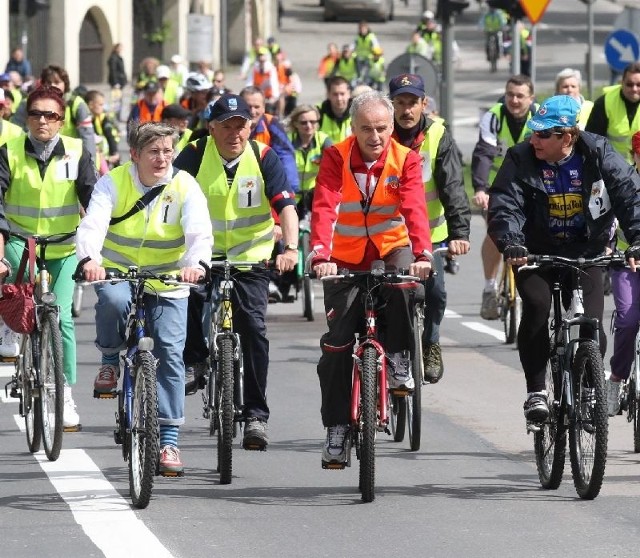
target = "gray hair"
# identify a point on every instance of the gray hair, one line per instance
(568, 73)
(367, 99)
(141, 135)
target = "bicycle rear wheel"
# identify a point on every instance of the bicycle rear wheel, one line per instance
(368, 407)
(634, 412)
(588, 434)
(31, 407)
(224, 410)
(414, 400)
(397, 415)
(308, 294)
(550, 442)
(51, 383)
(143, 440)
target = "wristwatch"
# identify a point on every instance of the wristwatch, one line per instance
(293, 247)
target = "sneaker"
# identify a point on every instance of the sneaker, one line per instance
(433, 367)
(107, 379)
(70, 418)
(255, 434)
(335, 447)
(536, 408)
(399, 371)
(170, 461)
(9, 341)
(195, 377)
(613, 397)
(489, 309)
(274, 293)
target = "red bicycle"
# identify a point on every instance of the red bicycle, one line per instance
(370, 412)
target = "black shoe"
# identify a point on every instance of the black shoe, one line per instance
(536, 408)
(195, 377)
(255, 434)
(432, 361)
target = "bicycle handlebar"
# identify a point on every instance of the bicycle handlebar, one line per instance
(46, 239)
(545, 260)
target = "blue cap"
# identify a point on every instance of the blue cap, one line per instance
(406, 83)
(5, 77)
(559, 111)
(227, 106)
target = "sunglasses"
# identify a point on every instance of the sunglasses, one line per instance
(49, 116)
(546, 134)
(307, 122)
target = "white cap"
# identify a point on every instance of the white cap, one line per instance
(163, 72)
(176, 59)
(428, 14)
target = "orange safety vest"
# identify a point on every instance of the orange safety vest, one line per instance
(261, 80)
(381, 220)
(145, 114)
(264, 136)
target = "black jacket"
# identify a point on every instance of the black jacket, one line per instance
(117, 74)
(519, 205)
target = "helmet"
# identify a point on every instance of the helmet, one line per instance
(197, 82)
(163, 72)
(377, 51)
(428, 14)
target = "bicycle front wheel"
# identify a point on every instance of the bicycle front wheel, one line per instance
(308, 294)
(550, 442)
(76, 303)
(414, 400)
(51, 384)
(588, 433)
(143, 440)
(368, 407)
(397, 415)
(31, 406)
(224, 410)
(634, 412)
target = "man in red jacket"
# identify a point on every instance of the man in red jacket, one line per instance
(368, 205)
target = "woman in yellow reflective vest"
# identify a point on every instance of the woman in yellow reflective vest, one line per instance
(48, 177)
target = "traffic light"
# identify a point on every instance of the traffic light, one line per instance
(448, 8)
(512, 7)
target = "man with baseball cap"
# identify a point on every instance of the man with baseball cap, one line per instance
(244, 181)
(558, 193)
(447, 203)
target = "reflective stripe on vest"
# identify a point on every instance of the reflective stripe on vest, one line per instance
(619, 131)
(435, 210)
(382, 223)
(308, 162)
(151, 239)
(44, 206)
(240, 214)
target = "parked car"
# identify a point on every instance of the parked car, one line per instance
(372, 10)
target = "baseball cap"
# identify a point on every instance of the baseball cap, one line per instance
(163, 72)
(151, 87)
(560, 111)
(175, 111)
(428, 14)
(227, 106)
(5, 77)
(406, 83)
(176, 59)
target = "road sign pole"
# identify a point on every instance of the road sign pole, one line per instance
(590, 68)
(532, 56)
(446, 86)
(515, 48)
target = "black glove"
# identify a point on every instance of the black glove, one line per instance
(514, 252)
(632, 252)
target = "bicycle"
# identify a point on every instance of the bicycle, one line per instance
(304, 283)
(76, 304)
(38, 380)
(509, 304)
(630, 398)
(224, 397)
(370, 393)
(137, 429)
(575, 387)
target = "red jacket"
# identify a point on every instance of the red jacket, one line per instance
(328, 195)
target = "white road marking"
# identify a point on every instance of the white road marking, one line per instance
(476, 326)
(105, 516)
(451, 314)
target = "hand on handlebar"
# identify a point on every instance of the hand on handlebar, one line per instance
(191, 274)
(326, 268)
(459, 247)
(515, 255)
(421, 269)
(93, 272)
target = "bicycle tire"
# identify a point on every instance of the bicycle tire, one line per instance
(224, 402)
(397, 416)
(550, 442)
(634, 412)
(76, 301)
(51, 384)
(143, 440)
(308, 294)
(588, 434)
(31, 407)
(368, 408)
(414, 401)
(512, 314)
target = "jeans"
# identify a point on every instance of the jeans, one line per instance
(625, 287)
(166, 322)
(60, 270)
(435, 302)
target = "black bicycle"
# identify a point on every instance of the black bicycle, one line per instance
(574, 384)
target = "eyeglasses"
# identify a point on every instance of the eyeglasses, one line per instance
(546, 134)
(160, 153)
(49, 116)
(307, 122)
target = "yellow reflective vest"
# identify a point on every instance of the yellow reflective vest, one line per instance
(435, 210)
(619, 131)
(48, 205)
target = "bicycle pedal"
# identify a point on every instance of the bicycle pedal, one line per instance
(103, 395)
(400, 392)
(533, 427)
(172, 474)
(254, 447)
(331, 466)
(74, 428)
(8, 359)
(14, 393)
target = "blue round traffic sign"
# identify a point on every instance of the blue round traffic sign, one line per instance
(621, 48)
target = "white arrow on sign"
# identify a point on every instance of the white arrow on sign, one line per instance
(625, 51)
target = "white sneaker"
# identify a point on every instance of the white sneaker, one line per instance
(335, 450)
(399, 371)
(71, 419)
(613, 397)
(9, 341)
